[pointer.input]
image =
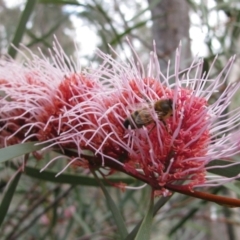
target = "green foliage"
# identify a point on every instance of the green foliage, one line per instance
(21, 26)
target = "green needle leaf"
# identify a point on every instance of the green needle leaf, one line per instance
(160, 203)
(70, 178)
(226, 171)
(22, 24)
(113, 208)
(145, 228)
(17, 150)
(7, 198)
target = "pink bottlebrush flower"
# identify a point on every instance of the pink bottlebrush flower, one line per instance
(48, 101)
(165, 153)
(95, 112)
(38, 97)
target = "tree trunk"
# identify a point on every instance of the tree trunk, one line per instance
(170, 26)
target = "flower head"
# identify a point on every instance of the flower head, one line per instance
(178, 148)
(159, 128)
(38, 98)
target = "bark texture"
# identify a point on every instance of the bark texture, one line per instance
(170, 26)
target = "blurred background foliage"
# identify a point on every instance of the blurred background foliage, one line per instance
(72, 206)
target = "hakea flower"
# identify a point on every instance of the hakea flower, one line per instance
(94, 112)
(37, 99)
(166, 152)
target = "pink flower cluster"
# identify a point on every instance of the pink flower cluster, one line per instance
(48, 101)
